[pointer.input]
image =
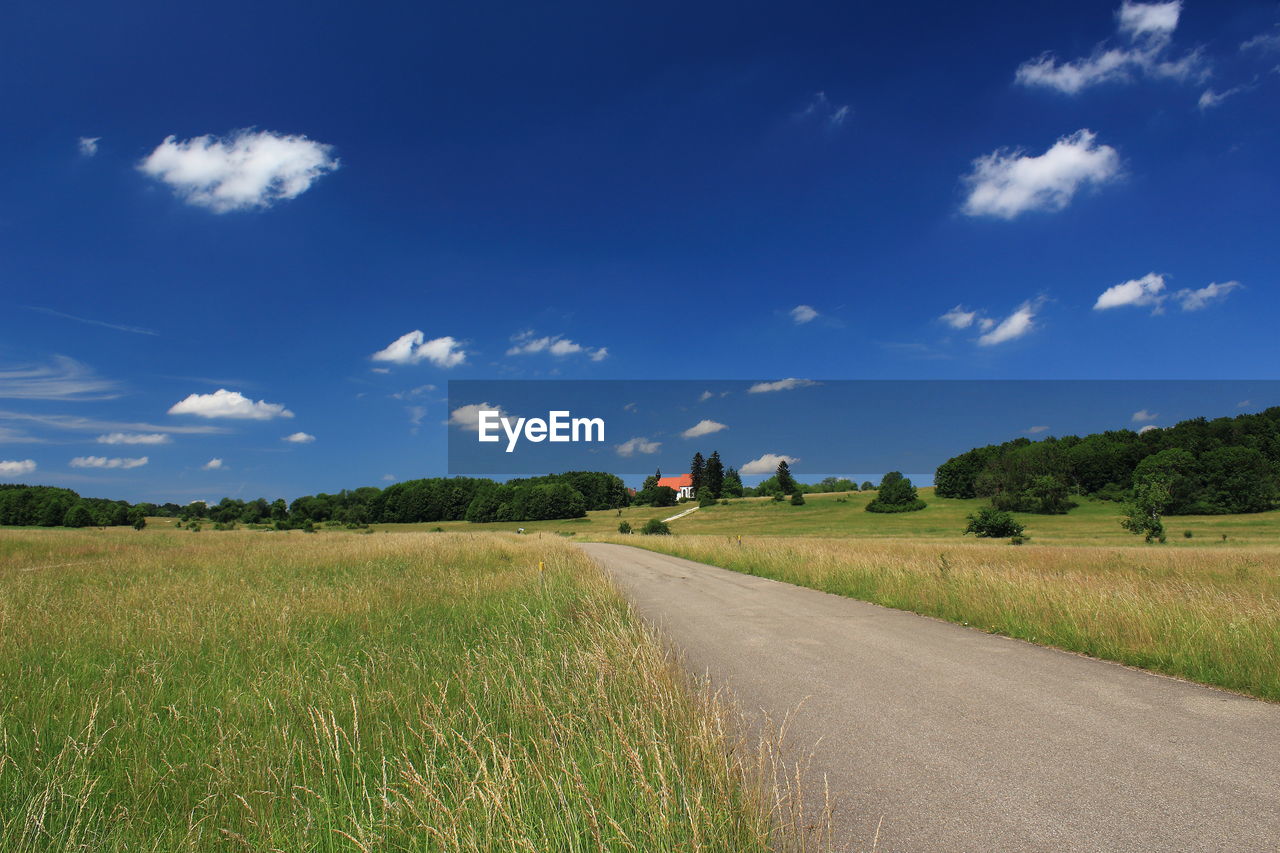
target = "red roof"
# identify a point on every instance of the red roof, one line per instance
(677, 483)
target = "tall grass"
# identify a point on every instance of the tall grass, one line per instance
(1207, 614)
(338, 692)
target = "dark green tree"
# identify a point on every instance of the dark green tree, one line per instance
(993, 523)
(732, 484)
(714, 475)
(896, 494)
(786, 483)
(697, 471)
(79, 516)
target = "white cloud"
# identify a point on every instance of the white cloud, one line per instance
(705, 396)
(703, 427)
(1036, 430)
(1194, 300)
(89, 145)
(1147, 428)
(133, 438)
(632, 446)
(80, 424)
(242, 171)
(104, 462)
(1210, 98)
(229, 404)
(958, 318)
(767, 464)
(137, 330)
(1143, 415)
(299, 438)
(1008, 183)
(214, 464)
(526, 343)
(1264, 41)
(821, 107)
(416, 414)
(802, 314)
(388, 478)
(1148, 30)
(468, 417)
(1148, 290)
(64, 379)
(414, 347)
(16, 467)
(1021, 322)
(780, 385)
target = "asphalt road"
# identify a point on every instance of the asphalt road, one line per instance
(956, 740)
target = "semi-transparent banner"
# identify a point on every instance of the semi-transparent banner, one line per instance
(511, 428)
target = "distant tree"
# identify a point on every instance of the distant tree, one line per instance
(993, 523)
(714, 475)
(1142, 513)
(786, 483)
(138, 517)
(657, 496)
(652, 480)
(707, 498)
(732, 484)
(866, 486)
(654, 527)
(697, 471)
(79, 516)
(896, 494)
(797, 498)
(1047, 495)
(279, 510)
(624, 527)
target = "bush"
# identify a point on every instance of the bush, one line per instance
(624, 527)
(994, 524)
(1187, 534)
(707, 498)
(654, 527)
(777, 498)
(797, 499)
(896, 494)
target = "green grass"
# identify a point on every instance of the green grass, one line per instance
(168, 691)
(1210, 614)
(944, 519)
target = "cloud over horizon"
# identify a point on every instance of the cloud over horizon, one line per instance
(103, 462)
(229, 404)
(767, 463)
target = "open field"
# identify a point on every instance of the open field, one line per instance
(1210, 614)
(167, 691)
(1091, 523)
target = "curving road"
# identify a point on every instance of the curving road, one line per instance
(956, 740)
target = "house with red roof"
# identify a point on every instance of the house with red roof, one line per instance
(683, 485)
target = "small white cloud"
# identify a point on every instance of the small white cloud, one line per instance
(133, 438)
(413, 347)
(1243, 404)
(526, 343)
(1147, 428)
(241, 171)
(1210, 98)
(802, 314)
(705, 396)
(214, 464)
(1006, 184)
(767, 464)
(1265, 42)
(468, 417)
(411, 393)
(1036, 430)
(820, 107)
(104, 462)
(64, 379)
(1148, 290)
(1142, 415)
(89, 145)
(299, 438)
(16, 467)
(958, 318)
(229, 404)
(703, 427)
(780, 385)
(388, 478)
(1148, 30)
(1194, 300)
(631, 407)
(632, 446)
(1018, 324)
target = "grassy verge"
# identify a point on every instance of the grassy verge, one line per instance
(1208, 614)
(345, 693)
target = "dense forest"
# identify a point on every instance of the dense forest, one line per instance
(1208, 467)
(567, 495)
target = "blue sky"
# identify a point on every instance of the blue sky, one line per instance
(259, 198)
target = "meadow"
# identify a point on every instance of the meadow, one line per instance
(178, 691)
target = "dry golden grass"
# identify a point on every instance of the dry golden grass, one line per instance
(1207, 614)
(242, 691)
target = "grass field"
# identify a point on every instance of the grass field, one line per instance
(1210, 614)
(173, 691)
(1091, 523)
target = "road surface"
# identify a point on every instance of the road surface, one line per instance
(956, 740)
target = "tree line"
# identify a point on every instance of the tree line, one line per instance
(1196, 467)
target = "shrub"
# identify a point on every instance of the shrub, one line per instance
(1187, 534)
(707, 498)
(777, 498)
(654, 527)
(624, 527)
(797, 498)
(994, 524)
(896, 494)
